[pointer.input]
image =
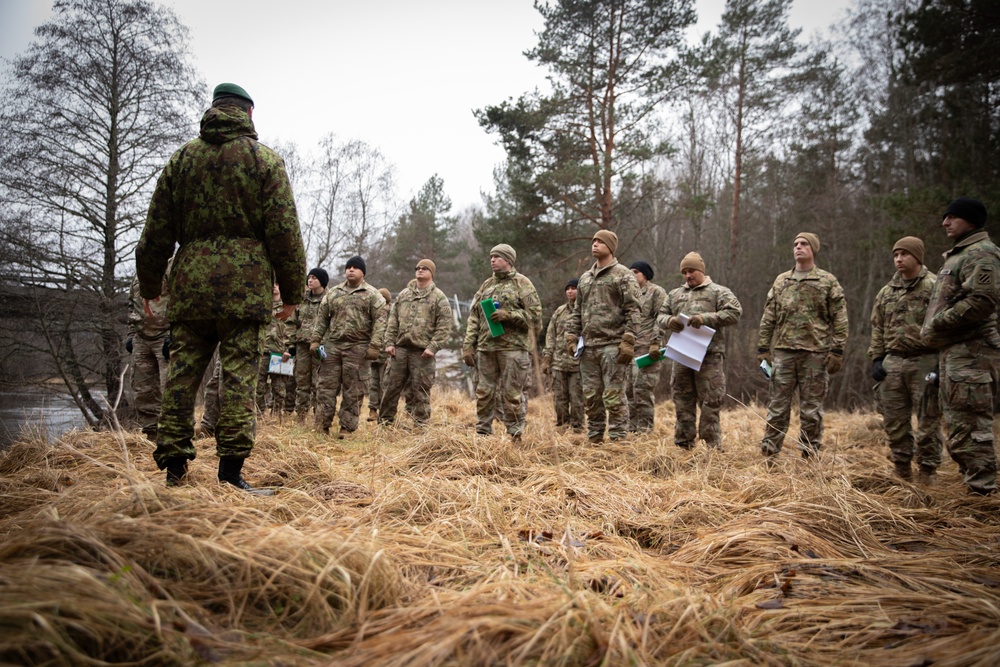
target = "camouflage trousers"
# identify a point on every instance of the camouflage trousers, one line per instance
(306, 378)
(376, 383)
(970, 375)
(411, 371)
(903, 392)
(604, 399)
(271, 387)
(640, 390)
(705, 389)
(502, 377)
(212, 394)
(149, 373)
(344, 371)
(191, 349)
(805, 371)
(567, 393)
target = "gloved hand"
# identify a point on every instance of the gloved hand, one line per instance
(626, 349)
(372, 353)
(675, 324)
(878, 373)
(166, 348)
(469, 357)
(291, 350)
(546, 366)
(654, 349)
(128, 344)
(313, 347)
(571, 344)
(500, 315)
(834, 361)
(764, 354)
(697, 321)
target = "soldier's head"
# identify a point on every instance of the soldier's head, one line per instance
(962, 216)
(642, 271)
(425, 272)
(229, 94)
(805, 247)
(908, 256)
(355, 271)
(275, 291)
(693, 269)
(502, 258)
(317, 280)
(603, 245)
(571, 290)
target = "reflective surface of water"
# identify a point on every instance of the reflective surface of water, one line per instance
(50, 414)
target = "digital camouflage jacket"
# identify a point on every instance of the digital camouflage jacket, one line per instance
(420, 319)
(517, 295)
(607, 305)
(351, 316)
(555, 337)
(717, 305)
(808, 314)
(898, 314)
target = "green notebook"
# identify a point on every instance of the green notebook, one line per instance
(646, 360)
(496, 328)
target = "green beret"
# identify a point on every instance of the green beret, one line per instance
(231, 90)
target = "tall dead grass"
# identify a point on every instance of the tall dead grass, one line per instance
(441, 547)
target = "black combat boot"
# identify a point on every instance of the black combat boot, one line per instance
(230, 469)
(177, 467)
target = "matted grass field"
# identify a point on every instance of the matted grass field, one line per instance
(440, 547)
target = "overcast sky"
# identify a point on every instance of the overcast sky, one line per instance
(402, 75)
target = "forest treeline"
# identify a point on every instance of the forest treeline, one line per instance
(729, 145)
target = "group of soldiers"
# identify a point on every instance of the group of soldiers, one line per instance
(224, 204)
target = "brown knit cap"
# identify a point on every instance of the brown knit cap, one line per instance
(429, 265)
(693, 260)
(386, 294)
(811, 239)
(912, 245)
(608, 238)
(505, 251)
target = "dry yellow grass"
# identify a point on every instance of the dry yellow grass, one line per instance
(440, 547)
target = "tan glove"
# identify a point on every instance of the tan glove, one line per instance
(764, 354)
(626, 349)
(834, 361)
(313, 347)
(546, 366)
(500, 315)
(675, 324)
(469, 357)
(654, 350)
(571, 344)
(696, 321)
(372, 353)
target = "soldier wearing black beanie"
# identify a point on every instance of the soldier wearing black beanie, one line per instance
(320, 275)
(357, 263)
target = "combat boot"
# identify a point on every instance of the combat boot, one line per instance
(230, 472)
(372, 414)
(903, 470)
(177, 467)
(927, 476)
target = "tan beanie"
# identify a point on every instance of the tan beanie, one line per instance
(429, 265)
(505, 251)
(693, 260)
(386, 294)
(811, 239)
(912, 245)
(608, 238)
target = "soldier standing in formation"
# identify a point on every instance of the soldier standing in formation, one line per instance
(641, 382)
(502, 363)
(300, 326)
(419, 326)
(805, 324)
(379, 368)
(350, 326)
(607, 317)
(706, 304)
(148, 331)
(209, 200)
(567, 392)
(961, 322)
(902, 362)
(271, 386)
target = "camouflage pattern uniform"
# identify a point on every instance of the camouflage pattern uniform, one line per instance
(420, 320)
(962, 323)
(148, 329)
(503, 363)
(640, 383)
(213, 400)
(350, 321)
(804, 319)
(300, 326)
(567, 390)
(607, 306)
(226, 200)
(706, 388)
(897, 316)
(271, 383)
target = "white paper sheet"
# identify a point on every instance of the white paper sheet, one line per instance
(279, 367)
(688, 346)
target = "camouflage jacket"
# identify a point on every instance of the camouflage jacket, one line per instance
(555, 340)
(275, 333)
(300, 324)
(963, 304)
(607, 305)
(225, 199)
(652, 297)
(717, 305)
(518, 297)
(351, 316)
(420, 319)
(808, 314)
(147, 324)
(898, 314)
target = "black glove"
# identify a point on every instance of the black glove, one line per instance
(166, 348)
(878, 373)
(291, 350)
(128, 344)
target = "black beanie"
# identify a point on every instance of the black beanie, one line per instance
(357, 263)
(968, 209)
(644, 268)
(572, 282)
(321, 275)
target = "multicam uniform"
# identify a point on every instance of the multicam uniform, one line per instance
(805, 317)
(350, 321)
(300, 326)
(226, 200)
(148, 328)
(897, 316)
(502, 363)
(640, 383)
(420, 320)
(607, 307)
(271, 383)
(705, 388)
(962, 323)
(567, 390)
